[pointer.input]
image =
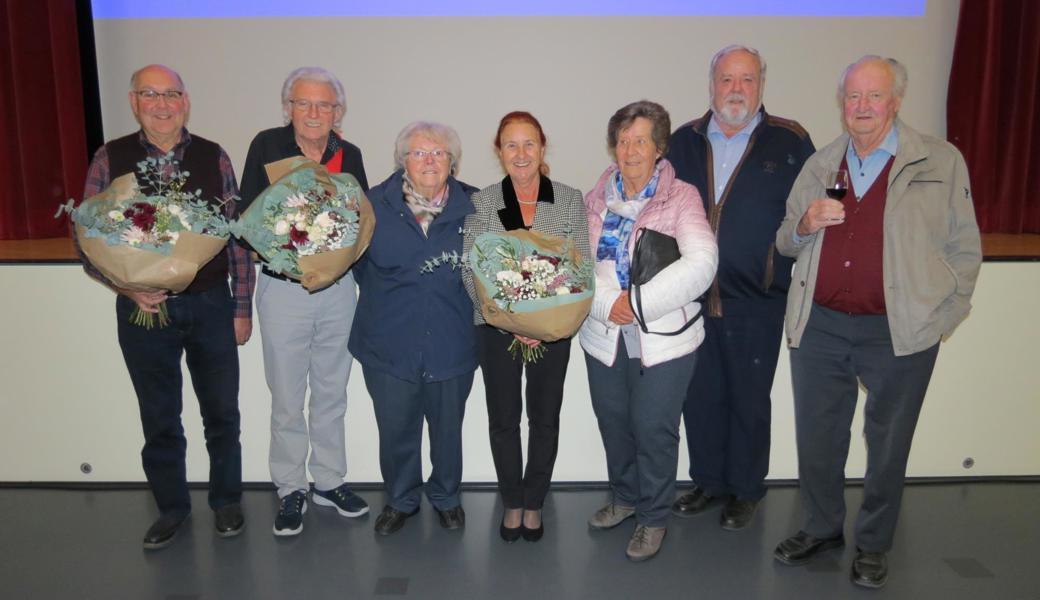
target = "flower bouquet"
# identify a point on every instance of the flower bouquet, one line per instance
(531, 284)
(149, 242)
(309, 225)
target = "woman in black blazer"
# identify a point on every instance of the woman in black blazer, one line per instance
(525, 198)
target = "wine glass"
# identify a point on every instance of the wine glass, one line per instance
(837, 184)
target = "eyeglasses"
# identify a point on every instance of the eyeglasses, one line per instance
(422, 154)
(305, 106)
(152, 95)
(872, 97)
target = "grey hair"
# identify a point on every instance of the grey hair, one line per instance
(319, 75)
(730, 50)
(437, 132)
(895, 68)
(133, 77)
(661, 123)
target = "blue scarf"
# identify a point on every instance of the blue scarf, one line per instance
(619, 220)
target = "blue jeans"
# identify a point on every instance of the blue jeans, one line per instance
(638, 410)
(201, 328)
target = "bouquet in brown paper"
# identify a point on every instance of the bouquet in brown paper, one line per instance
(149, 242)
(310, 225)
(528, 283)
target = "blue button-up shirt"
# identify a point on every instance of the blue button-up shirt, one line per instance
(727, 151)
(862, 173)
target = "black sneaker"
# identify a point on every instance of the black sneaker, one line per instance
(346, 502)
(290, 514)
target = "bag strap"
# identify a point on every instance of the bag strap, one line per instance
(635, 298)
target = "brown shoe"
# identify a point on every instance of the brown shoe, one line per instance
(610, 516)
(645, 543)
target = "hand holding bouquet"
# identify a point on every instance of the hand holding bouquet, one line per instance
(309, 224)
(531, 284)
(149, 242)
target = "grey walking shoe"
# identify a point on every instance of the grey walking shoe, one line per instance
(610, 516)
(645, 543)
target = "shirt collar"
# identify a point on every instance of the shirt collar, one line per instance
(715, 130)
(890, 145)
(291, 147)
(142, 138)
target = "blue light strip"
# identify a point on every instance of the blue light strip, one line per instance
(230, 9)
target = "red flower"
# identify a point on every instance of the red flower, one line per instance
(297, 237)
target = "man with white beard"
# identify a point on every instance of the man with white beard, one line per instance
(743, 161)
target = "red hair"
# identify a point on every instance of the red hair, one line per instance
(522, 116)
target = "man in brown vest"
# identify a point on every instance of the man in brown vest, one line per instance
(882, 276)
(206, 319)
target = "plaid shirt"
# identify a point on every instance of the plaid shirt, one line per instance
(240, 260)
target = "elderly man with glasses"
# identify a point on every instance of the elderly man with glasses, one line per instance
(305, 334)
(206, 319)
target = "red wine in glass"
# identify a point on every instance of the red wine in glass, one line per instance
(837, 184)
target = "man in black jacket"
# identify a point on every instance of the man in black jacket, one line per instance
(743, 161)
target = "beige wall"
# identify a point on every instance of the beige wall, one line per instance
(67, 398)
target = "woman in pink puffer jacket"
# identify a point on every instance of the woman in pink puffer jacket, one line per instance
(638, 380)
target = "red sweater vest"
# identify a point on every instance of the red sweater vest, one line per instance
(851, 273)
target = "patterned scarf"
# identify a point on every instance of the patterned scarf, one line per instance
(619, 220)
(425, 210)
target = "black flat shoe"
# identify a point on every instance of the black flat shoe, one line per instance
(533, 535)
(163, 530)
(391, 520)
(510, 534)
(801, 547)
(869, 569)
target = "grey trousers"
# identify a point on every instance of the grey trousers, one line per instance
(305, 345)
(837, 352)
(638, 409)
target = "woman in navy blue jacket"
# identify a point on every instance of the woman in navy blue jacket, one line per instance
(413, 332)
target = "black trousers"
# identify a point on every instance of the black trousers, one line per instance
(728, 411)
(522, 488)
(837, 352)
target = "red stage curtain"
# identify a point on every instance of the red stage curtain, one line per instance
(993, 110)
(43, 158)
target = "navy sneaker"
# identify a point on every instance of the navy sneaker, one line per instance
(346, 502)
(290, 514)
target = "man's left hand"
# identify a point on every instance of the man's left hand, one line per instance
(243, 329)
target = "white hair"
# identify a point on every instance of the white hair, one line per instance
(437, 132)
(895, 68)
(319, 75)
(730, 50)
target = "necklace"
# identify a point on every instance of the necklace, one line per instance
(527, 202)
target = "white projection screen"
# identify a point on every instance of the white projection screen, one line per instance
(466, 63)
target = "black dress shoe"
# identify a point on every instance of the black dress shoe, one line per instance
(228, 520)
(533, 535)
(801, 547)
(869, 569)
(162, 532)
(391, 519)
(693, 503)
(453, 518)
(510, 534)
(737, 513)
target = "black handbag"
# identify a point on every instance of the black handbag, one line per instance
(653, 252)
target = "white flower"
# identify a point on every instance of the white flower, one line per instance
(509, 277)
(323, 220)
(132, 236)
(300, 225)
(281, 227)
(174, 209)
(116, 216)
(296, 200)
(563, 290)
